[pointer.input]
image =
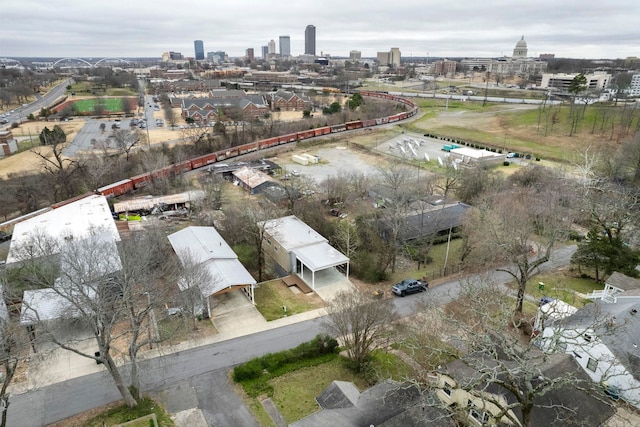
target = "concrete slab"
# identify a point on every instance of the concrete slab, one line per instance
(233, 315)
(190, 418)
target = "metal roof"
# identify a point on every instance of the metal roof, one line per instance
(206, 245)
(292, 233)
(251, 177)
(76, 220)
(151, 201)
(320, 256)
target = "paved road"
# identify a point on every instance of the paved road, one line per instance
(169, 373)
(21, 113)
(194, 376)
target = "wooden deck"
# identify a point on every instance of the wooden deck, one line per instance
(293, 280)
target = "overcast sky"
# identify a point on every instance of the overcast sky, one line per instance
(444, 28)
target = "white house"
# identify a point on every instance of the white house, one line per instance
(604, 339)
(204, 245)
(618, 287)
(291, 246)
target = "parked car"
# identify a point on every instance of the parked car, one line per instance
(409, 286)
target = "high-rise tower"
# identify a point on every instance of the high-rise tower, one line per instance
(199, 47)
(310, 40)
(285, 46)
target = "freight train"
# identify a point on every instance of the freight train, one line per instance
(139, 181)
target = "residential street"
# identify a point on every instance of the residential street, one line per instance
(197, 377)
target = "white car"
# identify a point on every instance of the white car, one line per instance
(295, 172)
(511, 155)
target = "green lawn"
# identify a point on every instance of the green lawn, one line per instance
(123, 414)
(87, 105)
(561, 285)
(272, 296)
(294, 393)
(435, 268)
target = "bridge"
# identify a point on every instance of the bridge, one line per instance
(89, 64)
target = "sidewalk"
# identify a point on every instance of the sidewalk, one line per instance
(56, 365)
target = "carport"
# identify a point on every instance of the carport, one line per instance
(320, 256)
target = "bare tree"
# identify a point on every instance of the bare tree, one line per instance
(472, 348)
(361, 322)
(112, 288)
(126, 140)
(519, 227)
(60, 168)
(395, 181)
(145, 281)
(86, 289)
(347, 238)
(192, 275)
(14, 348)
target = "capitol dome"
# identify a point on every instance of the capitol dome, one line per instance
(520, 50)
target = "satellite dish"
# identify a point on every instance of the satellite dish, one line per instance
(426, 157)
(440, 161)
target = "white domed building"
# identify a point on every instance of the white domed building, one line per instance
(518, 64)
(520, 50)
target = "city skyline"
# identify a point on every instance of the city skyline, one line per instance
(443, 29)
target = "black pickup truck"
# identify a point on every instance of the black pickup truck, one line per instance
(409, 286)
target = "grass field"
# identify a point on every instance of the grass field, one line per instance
(87, 105)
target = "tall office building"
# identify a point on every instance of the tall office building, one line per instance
(394, 57)
(272, 47)
(250, 55)
(310, 40)
(199, 47)
(265, 52)
(285, 46)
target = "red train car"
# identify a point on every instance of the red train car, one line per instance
(322, 131)
(305, 134)
(141, 180)
(248, 148)
(207, 159)
(353, 125)
(161, 173)
(270, 142)
(182, 167)
(369, 123)
(292, 137)
(117, 188)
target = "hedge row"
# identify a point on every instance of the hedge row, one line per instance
(272, 363)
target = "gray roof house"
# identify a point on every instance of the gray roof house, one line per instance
(603, 338)
(617, 286)
(577, 403)
(387, 404)
(428, 222)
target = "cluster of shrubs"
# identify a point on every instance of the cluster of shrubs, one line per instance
(255, 372)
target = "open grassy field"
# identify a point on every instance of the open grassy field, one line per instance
(87, 105)
(529, 129)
